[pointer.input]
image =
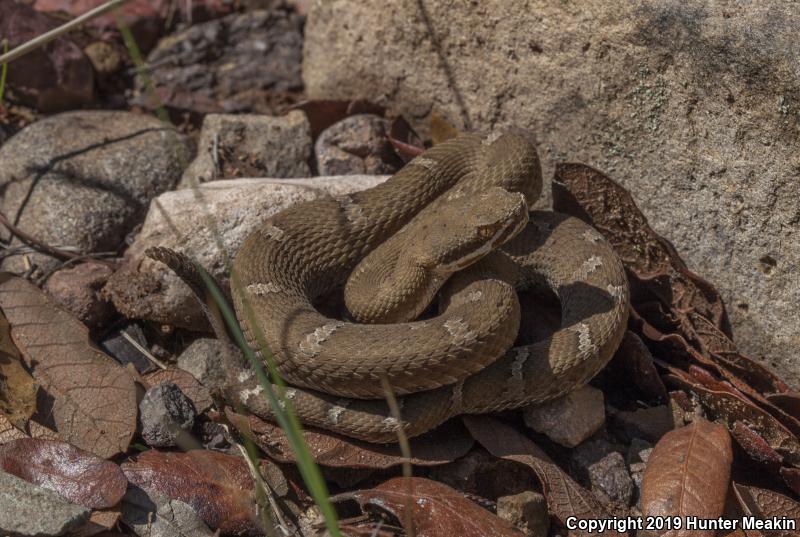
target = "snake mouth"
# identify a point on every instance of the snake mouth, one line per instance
(503, 233)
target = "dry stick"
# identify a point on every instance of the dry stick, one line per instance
(46, 37)
(41, 246)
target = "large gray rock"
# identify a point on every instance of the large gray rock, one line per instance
(693, 106)
(251, 145)
(30, 510)
(182, 220)
(84, 179)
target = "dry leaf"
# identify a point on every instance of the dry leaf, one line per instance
(766, 505)
(730, 408)
(441, 129)
(443, 445)
(184, 380)
(756, 447)
(688, 474)
(217, 486)
(17, 386)
(8, 431)
(435, 509)
(565, 498)
(77, 475)
(94, 399)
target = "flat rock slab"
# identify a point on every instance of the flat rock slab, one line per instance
(84, 179)
(693, 106)
(147, 289)
(30, 510)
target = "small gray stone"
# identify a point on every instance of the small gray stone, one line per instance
(166, 413)
(649, 423)
(571, 419)
(527, 511)
(147, 289)
(150, 514)
(30, 510)
(639, 451)
(610, 479)
(82, 180)
(250, 145)
(205, 359)
(357, 144)
(638, 455)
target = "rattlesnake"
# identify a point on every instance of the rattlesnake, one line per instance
(460, 360)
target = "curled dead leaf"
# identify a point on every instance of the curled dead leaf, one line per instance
(77, 475)
(217, 486)
(433, 508)
(17, 386)
(730, 408)
(565, 498)
(94, 399)
(768, 505)
(688, 474)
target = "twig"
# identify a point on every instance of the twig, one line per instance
(144, 351)
(266, 489)
(41, 246)
(46, 37)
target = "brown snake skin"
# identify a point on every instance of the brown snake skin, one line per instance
(459, 361)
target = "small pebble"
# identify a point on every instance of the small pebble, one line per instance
(166, 414)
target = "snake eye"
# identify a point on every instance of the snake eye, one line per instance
(487, 232)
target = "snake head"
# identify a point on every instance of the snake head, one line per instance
(472, 226)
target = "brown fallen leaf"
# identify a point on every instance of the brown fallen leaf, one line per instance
(433, 508)
(441, 129)
(688, 474)
(730, 408)
(791, 478)
(768, 505)
(94, 399)
(8, 431)
(443, 445)
(756, 447)
(17, 386)
(77, 475)
(184, 380)
(217, 486)
(677, 351)
(789, 402)
(565, 498)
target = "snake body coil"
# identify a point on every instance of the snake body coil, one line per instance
(461, 360)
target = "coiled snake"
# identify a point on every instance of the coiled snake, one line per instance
(461, 360)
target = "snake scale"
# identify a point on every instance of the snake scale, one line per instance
(461, 359)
